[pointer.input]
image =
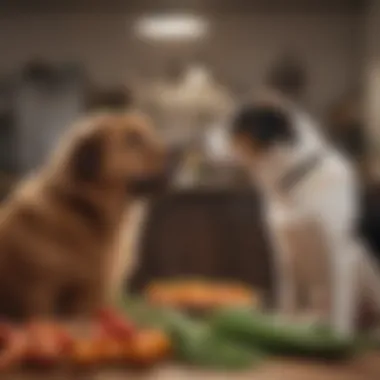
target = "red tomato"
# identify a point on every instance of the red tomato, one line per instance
(48, 343)
(13, 345)
(116, 325)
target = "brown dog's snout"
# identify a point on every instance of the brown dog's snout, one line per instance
(158, 182)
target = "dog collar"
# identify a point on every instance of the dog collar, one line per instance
(299, 172)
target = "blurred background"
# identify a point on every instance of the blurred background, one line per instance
(188, 64)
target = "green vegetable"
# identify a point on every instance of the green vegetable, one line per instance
(194, 341)
(146, 315)
(197, 344)
(273, 335)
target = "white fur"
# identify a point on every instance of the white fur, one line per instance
(327, 197)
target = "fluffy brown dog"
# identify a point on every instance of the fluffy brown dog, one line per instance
(60, 230)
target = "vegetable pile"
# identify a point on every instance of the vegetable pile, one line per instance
(110, 338)
(143, 332)
(238, 337)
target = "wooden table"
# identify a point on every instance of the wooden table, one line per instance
(362, 368)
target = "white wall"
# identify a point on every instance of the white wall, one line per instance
(239, 49)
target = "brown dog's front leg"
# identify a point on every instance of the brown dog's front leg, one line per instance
(79, 299)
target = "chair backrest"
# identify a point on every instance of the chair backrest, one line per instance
(213, 234)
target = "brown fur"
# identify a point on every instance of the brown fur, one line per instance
(58, 229)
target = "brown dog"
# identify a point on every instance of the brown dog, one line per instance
(60, 230)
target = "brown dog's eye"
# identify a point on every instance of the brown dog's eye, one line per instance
(134, 140)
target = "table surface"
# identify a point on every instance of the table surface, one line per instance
(362, 368)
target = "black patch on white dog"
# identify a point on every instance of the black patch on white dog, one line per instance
(264, 125)
(299, 173)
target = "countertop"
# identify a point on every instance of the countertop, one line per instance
(366, 367)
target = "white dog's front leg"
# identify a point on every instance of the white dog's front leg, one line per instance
(345, 285)
(286, 287)
(284, 276)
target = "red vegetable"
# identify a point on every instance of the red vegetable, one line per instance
(48, 343)
(116, 325)
(13, 344)
(65, 340)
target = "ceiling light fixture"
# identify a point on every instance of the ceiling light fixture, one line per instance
(171, 27)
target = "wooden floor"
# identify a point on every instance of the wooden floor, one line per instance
(362, 368)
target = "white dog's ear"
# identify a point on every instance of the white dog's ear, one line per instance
(86, 159)
(264, 125)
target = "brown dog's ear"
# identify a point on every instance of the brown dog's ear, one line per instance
(86, 160)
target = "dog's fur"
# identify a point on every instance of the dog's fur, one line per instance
(64, 231)
(311, 221)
